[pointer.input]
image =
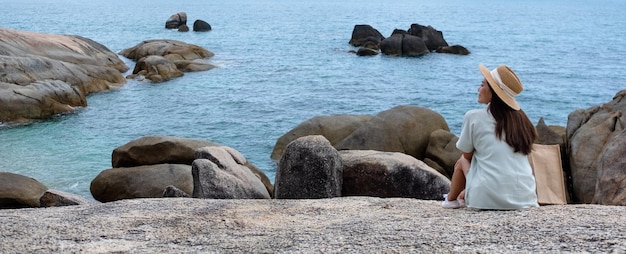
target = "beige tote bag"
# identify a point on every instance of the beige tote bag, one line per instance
(547, 168)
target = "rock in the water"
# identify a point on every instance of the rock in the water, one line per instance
(176, 20)
(47, 74)
(171, 49)
(201, 26)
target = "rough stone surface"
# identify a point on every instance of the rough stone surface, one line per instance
(550, 135)
(403, 43)
(309, 168)
(47, 74)
(418, 40)
(392, 45)
(66, 48)
(17, 191)
(193, 65)
(432, 37)
(413, 46)
(183, 28)
(37, 100)
(162, 60)
(404, 129)
(363, 51)
(454, 49)
(386, 174)
(176, 20)
(588, 132)
(333, 127)
(611, 185)
(172, 192)
(442, 151)
(150, 150)
(220, 172)
(147, 181)
(364, 33)
(338, 225)
(53, 198)
(201, 26)
(157, 68)
(170, 49)
(261, 175)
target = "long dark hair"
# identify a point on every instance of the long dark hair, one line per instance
(518, 131)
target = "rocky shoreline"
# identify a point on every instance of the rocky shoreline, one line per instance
(337, 225)
(592, 145)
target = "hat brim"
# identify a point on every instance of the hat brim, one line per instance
(507, 99)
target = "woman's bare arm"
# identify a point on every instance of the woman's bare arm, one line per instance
(468, 156)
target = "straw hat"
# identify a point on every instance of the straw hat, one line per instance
(504, 83)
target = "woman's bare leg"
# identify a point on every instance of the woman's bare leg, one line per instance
(457, 183)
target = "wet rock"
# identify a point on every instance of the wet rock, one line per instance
(363, 33)
(47, 74)
(176, 20)
(201, 26)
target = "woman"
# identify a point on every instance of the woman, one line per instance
(494, 172)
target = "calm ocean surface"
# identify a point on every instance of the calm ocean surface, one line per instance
(282, 62)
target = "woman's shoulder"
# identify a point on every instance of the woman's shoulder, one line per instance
(476, 112)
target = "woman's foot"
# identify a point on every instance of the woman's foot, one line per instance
(452, 204)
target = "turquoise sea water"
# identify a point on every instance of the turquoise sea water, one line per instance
(282, 62)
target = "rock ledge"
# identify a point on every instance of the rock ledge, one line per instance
(338, 225)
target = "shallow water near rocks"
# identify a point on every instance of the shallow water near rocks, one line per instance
(282, 62)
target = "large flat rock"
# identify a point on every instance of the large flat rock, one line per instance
(47, 74)
(338, 225)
